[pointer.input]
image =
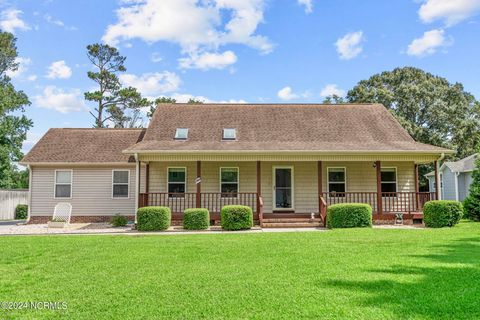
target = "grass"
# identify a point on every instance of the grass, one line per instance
(340, 274)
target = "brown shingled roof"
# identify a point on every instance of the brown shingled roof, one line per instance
(84, 146)
(279, 127)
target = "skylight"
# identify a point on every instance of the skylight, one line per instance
(181, 134)
(229, 134)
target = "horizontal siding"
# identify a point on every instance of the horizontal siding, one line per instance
(91, 191)
(448, 185)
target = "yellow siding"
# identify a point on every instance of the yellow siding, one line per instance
(361, 177)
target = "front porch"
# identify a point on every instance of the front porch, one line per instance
(283, 191)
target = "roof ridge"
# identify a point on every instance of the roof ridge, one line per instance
(99, 129)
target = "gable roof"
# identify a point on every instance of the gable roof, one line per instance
(279, 127)
(84, 146)
(463, 165)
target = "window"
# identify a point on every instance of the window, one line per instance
(229, 134)
(120, 182)
(181, 134)
(389, 179)
(229, 182)
(63, 183)
(336, 181)
(177, 179)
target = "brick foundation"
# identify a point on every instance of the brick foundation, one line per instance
(76, 219)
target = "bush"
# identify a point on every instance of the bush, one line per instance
(196, 219)
(21, 212)
(471, 204)
(349, 215)
(153, 218)
(236, 217)
(119, 221)
(442, 213)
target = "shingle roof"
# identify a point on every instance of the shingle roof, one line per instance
(84, 146)
(279, 127)
(463, 165)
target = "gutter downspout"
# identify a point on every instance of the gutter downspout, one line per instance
(29, 210)
(137, 185)
(456, 186)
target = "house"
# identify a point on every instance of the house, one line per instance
(455, 178)
(286, 161)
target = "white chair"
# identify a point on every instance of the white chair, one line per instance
(62, 212)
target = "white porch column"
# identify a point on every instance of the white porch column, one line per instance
(137, 185)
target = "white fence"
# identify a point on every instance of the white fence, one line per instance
(9, 199)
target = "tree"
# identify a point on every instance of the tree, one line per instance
(430, 108)
(158, 101)
(472, 202)
(13, 124)
(114, 103)
(194, 101)
(333, 99)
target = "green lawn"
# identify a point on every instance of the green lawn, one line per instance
(341, 274)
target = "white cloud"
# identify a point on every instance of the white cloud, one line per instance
(449, 11)
(58, 22)
(23, 64)
(332, 89)
(10, 20)
(32, 77)
(207, 61)
(59, 69)
(156, 57)
(152, 84)
(210, 24)
(287, 94)
(428, 43)
(60, 100)
(349, 46)
(184, 97)
(308, 5)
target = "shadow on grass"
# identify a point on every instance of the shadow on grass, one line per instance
(442, 286)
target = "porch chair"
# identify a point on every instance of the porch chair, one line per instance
(62, 212)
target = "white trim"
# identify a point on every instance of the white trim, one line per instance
(137, 185)
(220, 179)
(186, 178)
(396, 177)
(296, 152)
(55, 184)
(128, 184)
(328, 178)
(292, 187)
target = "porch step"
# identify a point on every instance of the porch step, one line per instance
(292, 223)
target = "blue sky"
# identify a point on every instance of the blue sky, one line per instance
(233, 50)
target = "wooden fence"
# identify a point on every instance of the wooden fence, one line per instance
(9, 199)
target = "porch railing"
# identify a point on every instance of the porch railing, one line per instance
(406, 202)
(213, 201)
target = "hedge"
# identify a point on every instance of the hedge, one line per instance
(236, 217)
(119, 221)
(442, 213)
(349, 215)
(21, 212)
(196, 219)
(153, 218)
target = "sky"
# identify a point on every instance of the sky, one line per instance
(256, 51)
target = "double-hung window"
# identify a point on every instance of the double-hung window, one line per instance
(336, 182)
(120, 183)
(229, 182)
(63, 183)
(389, 181)
(177, 182)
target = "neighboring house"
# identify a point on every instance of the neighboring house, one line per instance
(283, 160)
(455, 178)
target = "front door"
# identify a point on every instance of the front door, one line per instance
(282, 188)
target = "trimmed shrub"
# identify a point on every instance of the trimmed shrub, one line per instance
(21, 212)
(119, 221)
(442, 213)
(236, 217)
(349, 215)
(153, 218)
(196, 219)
